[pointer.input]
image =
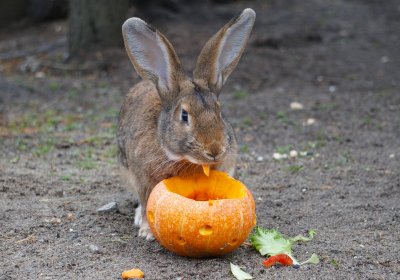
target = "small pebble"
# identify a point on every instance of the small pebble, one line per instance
(309, 121)
(296, 266)
(71, 217)
(293, 153)
(384, 59)
(296, 106)
(279, 156)
(109, 207)
(260, 158)
(391, 156)
(58, 28)
(54, 221)
(304, 190)
(40, 74)
(343, 33)
(332, 89)
(94, 248)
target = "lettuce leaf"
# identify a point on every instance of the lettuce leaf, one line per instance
(271, 242)
(239, 273)
(300, 237)
(313, 259)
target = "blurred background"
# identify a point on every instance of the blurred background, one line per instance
(318, 77)
(63, 65)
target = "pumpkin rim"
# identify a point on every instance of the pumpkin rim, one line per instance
(201, 188)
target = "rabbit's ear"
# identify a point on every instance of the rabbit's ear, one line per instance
(222, 52)
(152, 55)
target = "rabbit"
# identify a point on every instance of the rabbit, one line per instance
(170, 123)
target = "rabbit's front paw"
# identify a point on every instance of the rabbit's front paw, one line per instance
(145, 231)
(138, 216)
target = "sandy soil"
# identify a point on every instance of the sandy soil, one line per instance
(339, 59)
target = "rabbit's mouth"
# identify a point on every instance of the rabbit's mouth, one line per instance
(205, 158)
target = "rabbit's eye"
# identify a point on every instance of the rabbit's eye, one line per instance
(184, 116)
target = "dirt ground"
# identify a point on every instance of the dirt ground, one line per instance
(339, 59)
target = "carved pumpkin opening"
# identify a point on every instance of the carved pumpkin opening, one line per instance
(216, 186)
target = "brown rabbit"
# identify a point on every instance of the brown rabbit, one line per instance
(170, 124)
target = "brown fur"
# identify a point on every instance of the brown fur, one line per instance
(154, 141)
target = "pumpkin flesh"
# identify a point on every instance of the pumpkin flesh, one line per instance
(201, 216)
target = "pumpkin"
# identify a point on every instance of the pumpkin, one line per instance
(201, 216)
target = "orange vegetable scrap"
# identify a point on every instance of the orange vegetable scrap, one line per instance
(206, 169)
(282, 259)
(133, 273)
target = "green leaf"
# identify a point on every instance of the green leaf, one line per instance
(270, 242)
(239, 273)
(311, 234)
(314, 259)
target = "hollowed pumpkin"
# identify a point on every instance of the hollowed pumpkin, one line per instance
(201, 216)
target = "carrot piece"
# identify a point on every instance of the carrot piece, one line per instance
(133, 273)
(282, 259)
(206, 169)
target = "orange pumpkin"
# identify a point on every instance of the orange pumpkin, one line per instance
(201, 216)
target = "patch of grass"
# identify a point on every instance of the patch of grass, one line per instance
(247, 121)
(17, 126)
(39, 122)
(244, 149)
(66, 177)
(100, 139)
(283, 117)
(14, 160)
(86, 159)
(352, 77)
(44, 147)
(295, 168)
(71, 122)
(103, 84)
(21, 145)
(86, 163)
(72, 93)
(70, 127)
(110, 154)
(321, 136)
(53, 85)
(334, 263)
(369, 121)
(316, 144)
(240, 94)
(344, 158)
(262, 115)
(327, 106)
(385, 93)
(284, 149)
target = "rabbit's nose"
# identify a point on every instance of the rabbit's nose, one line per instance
(214, 152)
(214, 155)
(211, 155)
